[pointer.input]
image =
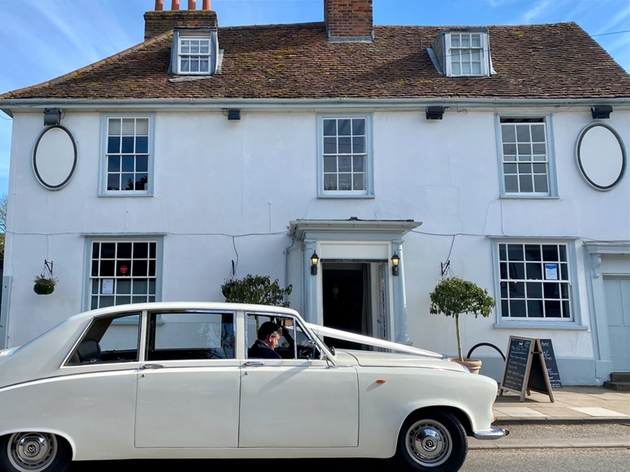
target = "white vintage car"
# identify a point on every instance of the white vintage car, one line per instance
(174, 380)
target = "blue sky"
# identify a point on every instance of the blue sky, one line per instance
(43, 39)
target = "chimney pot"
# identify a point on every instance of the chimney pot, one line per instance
(192, 4)
(206, 5)
(175, 5)
(159, 5)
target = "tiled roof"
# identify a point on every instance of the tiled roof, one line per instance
(556, 61)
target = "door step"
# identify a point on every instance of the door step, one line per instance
(619, 381)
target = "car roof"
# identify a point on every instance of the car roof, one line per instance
(167, 306)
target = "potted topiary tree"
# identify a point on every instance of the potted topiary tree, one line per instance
(256, 289)
(453, 297)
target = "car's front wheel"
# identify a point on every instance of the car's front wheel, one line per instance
(432, 441)
(34, 452)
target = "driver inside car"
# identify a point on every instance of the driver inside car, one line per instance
(264, 348)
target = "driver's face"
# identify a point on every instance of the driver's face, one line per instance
(273, 340)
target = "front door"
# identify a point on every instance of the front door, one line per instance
(617, 292)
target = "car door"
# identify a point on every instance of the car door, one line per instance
(188, 386)
(297, 402)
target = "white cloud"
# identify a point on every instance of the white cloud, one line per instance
(536, 12)
(500, 3)
(620, 19)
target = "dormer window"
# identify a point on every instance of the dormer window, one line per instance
(194, 55)
(462, 53)
(194, 52)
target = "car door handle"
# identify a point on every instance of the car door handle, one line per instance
(151, 366)
(253, 364)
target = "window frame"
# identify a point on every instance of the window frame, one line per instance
(441, 55)
(297, 325)
(205, 34)
(483, 49)
(163, 318)
(572, 323)
(369, 157)
(103, 177)
(552, 184)
(115, 319)
(199, 56)
(90, 239)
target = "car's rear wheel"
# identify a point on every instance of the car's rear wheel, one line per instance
(432, 441)
(34, 452)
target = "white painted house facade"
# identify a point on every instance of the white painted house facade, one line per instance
(159, 194)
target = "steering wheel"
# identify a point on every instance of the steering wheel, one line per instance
(307, 351)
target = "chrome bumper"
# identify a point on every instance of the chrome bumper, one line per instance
(494, 433)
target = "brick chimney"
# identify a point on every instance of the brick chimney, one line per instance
(349, 20)
(160, 21)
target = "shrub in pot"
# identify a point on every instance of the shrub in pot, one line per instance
(256, 289)
(453, 297)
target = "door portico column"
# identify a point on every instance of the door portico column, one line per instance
(400, 299)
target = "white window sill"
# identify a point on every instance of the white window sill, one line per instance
(565, 325)
(126, 194)
(343, 195)
(528, 196)
(195, 74)
(483, 75)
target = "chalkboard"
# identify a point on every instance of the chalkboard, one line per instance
(525, 368)
(550, 362)
(518, 358)
(538, 379)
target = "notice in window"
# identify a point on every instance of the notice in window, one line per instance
(551, 271)
(108, 287)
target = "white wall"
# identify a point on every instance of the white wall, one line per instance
(226, 191)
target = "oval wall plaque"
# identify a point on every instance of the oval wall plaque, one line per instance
(601, 156)
(55, 158)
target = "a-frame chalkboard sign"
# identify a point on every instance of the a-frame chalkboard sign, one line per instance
(525, 368)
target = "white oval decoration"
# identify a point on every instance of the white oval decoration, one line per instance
(55, 158)
(601, 156)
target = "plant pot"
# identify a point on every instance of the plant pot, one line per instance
(473, 364)
(41, 289)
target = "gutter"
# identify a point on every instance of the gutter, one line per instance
(6, 105)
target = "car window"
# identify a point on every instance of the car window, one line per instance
(109, 339)
(190, 335)
(294, 343)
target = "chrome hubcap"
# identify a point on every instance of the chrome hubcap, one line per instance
(32, 452)
(429, 443)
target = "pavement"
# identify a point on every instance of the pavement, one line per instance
(572, 405)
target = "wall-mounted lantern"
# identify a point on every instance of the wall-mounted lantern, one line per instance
(234, 114)
(601, 112)
(395, 264)
(314, 262)
(52, 116)
(434, 113)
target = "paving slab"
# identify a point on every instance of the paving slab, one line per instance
(571, 405)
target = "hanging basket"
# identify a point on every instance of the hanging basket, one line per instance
(45, 284)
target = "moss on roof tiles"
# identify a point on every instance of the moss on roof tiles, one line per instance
(298, 61)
